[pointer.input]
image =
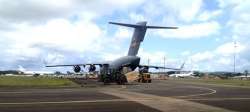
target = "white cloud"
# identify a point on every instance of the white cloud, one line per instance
(237, 25)
(185, 53)
(65, 31)
(122, 3)
(226, 3)
(186, 10)
(37, 11)
(54, 58)
(34, 10)
(57, 30)
(229, 49)
(31, 44)
(137, 17)
(208, 15)
(156, 58)
(239, 20)
(224, 61)
(177, 10)
(221, 58)
(192, 31)
(77, 37)
(123, 33)
(201, 57)
(189, 13)
(111, 56)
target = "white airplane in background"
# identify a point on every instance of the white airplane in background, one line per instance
(181, 73)
(31, 73)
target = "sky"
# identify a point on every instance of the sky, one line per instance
(35, 33)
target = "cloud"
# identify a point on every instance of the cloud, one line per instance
(72, 31)
(239, 21)
(137, 17)
(199, 30)
(186, 10)
(227, 3)
(58, 41)
(229, 48)
(155, 58)
(236, 29)
(202, 57)
(34, 10)
(222, 58)
(186, 53)
(208, 15)
(39, 12)
(78, 36)
(112, 56)
(57, 33)
(123, 33)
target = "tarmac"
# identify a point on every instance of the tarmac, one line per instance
(158, 96)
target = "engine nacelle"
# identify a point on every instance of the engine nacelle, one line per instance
(77, 68)
(92, 68)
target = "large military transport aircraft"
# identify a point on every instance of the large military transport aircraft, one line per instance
(113, 71)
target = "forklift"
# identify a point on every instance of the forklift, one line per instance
(144, 75)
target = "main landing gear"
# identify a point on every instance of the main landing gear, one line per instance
(117, 77)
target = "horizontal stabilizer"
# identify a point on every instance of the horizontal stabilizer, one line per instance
(161, 27)
(141, 24)
(124, 24)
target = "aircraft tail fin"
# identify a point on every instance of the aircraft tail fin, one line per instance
(182, 66)
(140, 29)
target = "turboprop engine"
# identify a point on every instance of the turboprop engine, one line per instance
(92, 68)
(77, 68)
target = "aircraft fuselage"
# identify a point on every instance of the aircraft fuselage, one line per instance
(125, 61)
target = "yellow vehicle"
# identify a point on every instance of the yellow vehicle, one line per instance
(144, 78)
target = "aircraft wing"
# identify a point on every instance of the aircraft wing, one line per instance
(100, 64)
(158, 67)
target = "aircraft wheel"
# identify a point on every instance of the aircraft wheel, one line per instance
(101, 78)
(121, 79)
(106, 80)
(149, 81)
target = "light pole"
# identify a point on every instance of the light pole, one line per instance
(164, 60)
(235, 46)
(148, 61)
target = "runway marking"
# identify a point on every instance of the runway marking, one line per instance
(165, 104)
(33, 92)
(212, 91)
(80, 101)
(39, 91)
(217, 99)
(217, 85)
(12, 92)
